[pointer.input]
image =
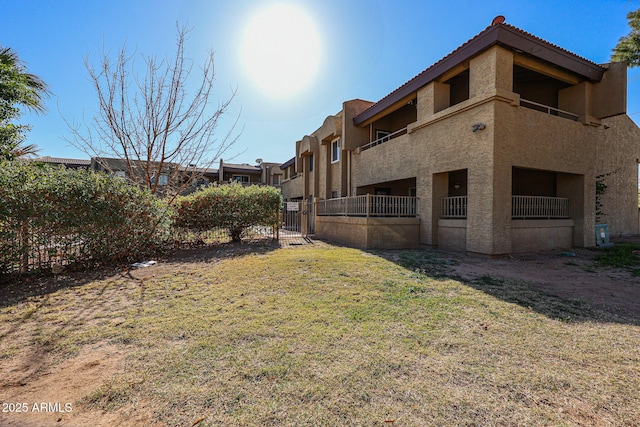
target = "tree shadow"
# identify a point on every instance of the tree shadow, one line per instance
(546, 300)
(16, 288)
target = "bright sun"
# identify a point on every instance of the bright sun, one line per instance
(280, 50)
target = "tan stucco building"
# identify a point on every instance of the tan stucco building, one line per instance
(495, 149)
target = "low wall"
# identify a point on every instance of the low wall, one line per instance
(541, 235)
(452, 235)
(370, 233)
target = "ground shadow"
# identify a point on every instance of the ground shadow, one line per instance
(16, 288)
(545, 299)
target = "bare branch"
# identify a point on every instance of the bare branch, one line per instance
(157, 122)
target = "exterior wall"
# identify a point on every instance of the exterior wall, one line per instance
(452, 235)
(541, 235)
(293, 188)
(369, 233)
(618, 153)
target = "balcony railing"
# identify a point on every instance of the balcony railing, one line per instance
(454, 207)
(536, 207)
(368, 205)
(384, 139)
(522, 207)
(549, 110)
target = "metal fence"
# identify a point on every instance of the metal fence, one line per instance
(31, 248)
(369, 205)
(42, 249)
(524, 207)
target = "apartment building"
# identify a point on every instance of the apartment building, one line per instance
(495, 149)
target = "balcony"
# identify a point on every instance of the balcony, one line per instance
(522, 207)
(384, 139)
(549, 110)
(368, 206)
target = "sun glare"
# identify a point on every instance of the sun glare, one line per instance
(280, 50)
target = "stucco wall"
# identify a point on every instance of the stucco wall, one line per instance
(452, 235)
(369, 233)
(541, 235)
(293, 188)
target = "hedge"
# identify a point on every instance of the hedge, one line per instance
(49, 213)
(232, 207)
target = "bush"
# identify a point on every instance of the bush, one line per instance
(231, 207)
(50, 213)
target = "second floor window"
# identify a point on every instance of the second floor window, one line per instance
(335, 151)
(311, 163)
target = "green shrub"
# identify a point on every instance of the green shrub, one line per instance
(231, 207)
(52, 213)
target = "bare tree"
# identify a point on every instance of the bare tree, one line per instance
(161, 128)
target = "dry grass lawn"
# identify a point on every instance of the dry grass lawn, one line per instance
(314, 336)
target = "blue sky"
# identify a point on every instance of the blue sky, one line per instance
(367, 49)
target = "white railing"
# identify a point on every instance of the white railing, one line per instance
(549, 110)
(368, 205)
(384, 139)
(454, 207)
(523, 207)
(539, 207)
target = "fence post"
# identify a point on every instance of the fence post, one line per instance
(25, 247)
(368, 204)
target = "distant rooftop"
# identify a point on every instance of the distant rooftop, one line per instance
(62, 161)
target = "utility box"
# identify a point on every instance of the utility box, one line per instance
(602, 236)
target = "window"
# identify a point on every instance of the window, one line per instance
(120, 174)
(335, 151)
(276, 180)
(240, 178)
(164, 179)
(311, 163)
(334, 194)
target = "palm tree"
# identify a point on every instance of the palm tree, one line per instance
(18, 88)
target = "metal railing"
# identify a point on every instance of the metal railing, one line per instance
(549, 110)
(454, 207)
(524, 207)
(384, 139)
(368, 205)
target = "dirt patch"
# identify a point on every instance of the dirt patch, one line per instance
(46, 392)
(569, 277)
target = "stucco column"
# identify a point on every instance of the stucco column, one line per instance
(491, 71)
(432, 98)
(489, 209)
(425, 209)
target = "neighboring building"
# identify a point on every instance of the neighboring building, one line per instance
(68, 163)
(264, 173)
(494, 149)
